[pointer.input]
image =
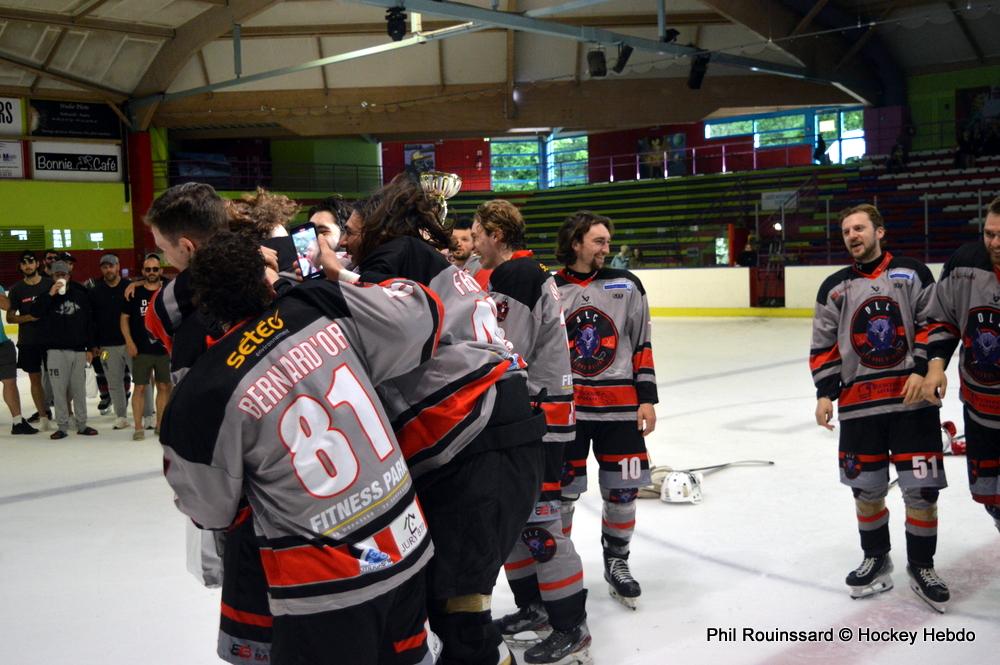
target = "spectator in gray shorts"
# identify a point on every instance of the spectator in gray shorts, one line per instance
(68, 333)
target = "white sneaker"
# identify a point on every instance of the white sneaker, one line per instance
(44, 424)
(121, 423)
(149, 422)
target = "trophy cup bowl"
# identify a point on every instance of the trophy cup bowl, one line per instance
(441, 186)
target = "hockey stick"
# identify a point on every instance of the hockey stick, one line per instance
(719, 467)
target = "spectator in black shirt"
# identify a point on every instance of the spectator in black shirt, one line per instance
(31, 351)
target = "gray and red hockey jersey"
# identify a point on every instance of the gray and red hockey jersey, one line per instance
(529, 310)
(283, 408)
(440, 407)
(870, 334)
(608, 325)
(965, 312)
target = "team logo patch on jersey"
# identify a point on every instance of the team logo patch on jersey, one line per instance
(877, 333)
(540, 543)
(623, 495)
(593, 341)
(981, 343)
(851, 466)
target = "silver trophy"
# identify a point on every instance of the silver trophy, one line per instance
(440, 187)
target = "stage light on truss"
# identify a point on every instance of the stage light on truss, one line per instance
(624, 53)
(395, 23)
(597, 65)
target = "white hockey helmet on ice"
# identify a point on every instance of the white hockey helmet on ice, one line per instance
(681, 487)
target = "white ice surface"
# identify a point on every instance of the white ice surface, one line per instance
(92, 551)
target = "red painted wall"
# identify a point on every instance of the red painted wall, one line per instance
(140, 175)
(469, 158)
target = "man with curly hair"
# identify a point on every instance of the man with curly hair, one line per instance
(282, 408)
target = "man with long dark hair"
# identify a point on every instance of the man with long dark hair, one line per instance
(614, 387)
(463, 418)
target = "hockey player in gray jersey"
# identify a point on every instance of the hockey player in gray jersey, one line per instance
(869, 352)
(544, 569)
(614, 387)
(965, 313)
(282, 407)
(464, 420)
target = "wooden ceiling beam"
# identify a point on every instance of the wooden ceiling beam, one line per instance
(479, 111)
(808, 18)
(106, 93)
(84, 23)
(188, 40)
(609, 21)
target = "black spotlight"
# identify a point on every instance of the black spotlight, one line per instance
(699, 65)
(624, 53)
(395, 23)
(596, 63)
(670, 36)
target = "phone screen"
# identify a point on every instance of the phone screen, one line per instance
(307, 251)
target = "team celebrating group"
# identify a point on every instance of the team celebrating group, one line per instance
(376, 445)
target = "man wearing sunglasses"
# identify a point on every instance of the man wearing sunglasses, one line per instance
(149, 357)
(29, 342)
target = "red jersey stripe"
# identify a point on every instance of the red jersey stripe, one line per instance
(558, 413)
(867, 519)
(248, 618)
(516, 565)
(559, 584)
(410, 642)
(820, 359)
(308, 565)
(605, 396)
(870, 391)
(642, 360)
(434, 422)
(619, 525)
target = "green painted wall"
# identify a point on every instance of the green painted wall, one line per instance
(346, 166)
(81, 207)
(932, 103)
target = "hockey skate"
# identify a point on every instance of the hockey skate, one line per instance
(525, 627)
(931, 588)
(621, 585)
(562, 647)
(873, 576)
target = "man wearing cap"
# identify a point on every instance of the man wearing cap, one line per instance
(106, 300)
(31, 352)
(67, 322)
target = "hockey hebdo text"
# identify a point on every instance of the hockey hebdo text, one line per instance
(859, 634)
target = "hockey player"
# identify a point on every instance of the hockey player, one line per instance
(182, 219)
(614, 387)
(869, 352)
(544, 569)
(463, 419)
(282, 408)
(965, 310)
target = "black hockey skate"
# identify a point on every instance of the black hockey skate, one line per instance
(621, 585)
(931, 588)
(873, 576)
(562, 647)
(525, 627)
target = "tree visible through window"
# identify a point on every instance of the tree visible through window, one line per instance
(567, 161)
(515, 164)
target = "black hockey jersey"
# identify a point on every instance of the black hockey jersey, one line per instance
(440, 407)
(870, 334)
(965, 312)
(608, 325)
(529, 311)
(283, 408)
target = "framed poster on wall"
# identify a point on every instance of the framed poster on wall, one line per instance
(11, 159)
(11, 117)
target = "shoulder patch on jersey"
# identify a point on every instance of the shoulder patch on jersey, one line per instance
(899, 274)
(831, 283)
(969, 255)
(618, 275)
(913, 267)
(610, 286)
